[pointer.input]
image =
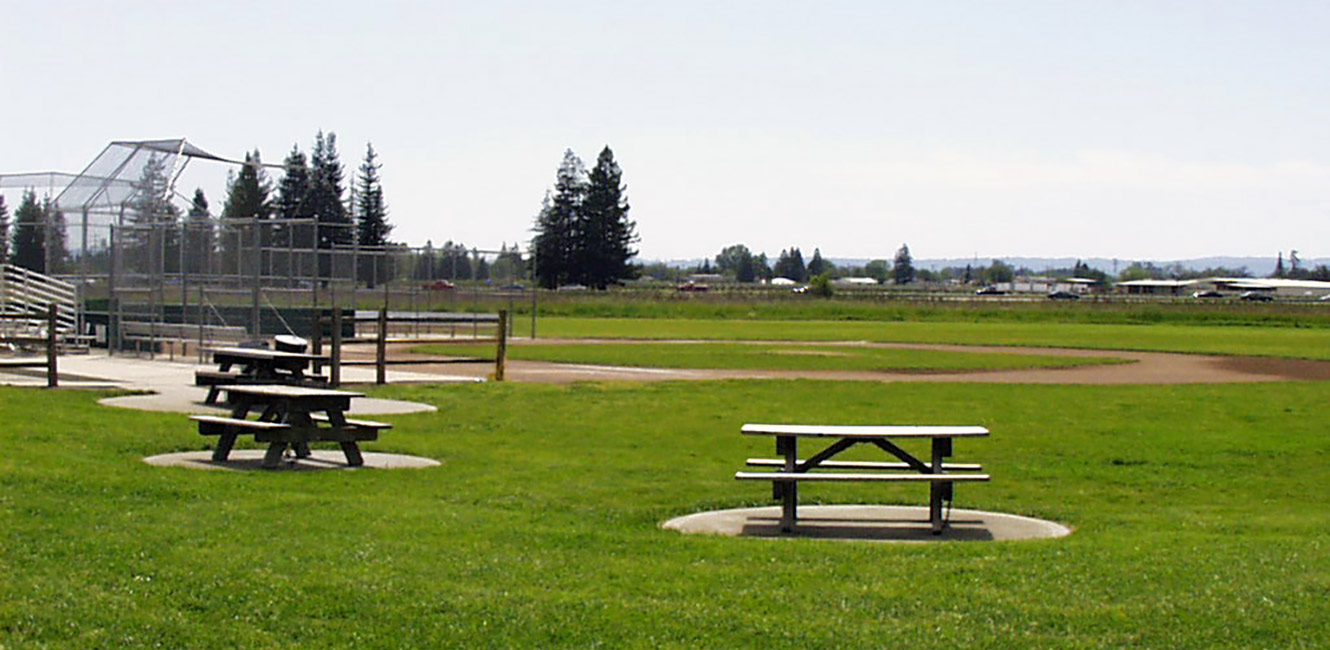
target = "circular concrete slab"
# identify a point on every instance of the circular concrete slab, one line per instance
(252, 459)
(867, 523)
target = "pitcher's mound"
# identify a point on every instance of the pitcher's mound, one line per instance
(868, 523)
(252, 459)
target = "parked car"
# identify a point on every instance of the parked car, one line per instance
(1064, 295)
(693, 286)
(1207, 294)
(437, 285)
(513, 287)
(1257, 296)
(990, 291)
(803, 288)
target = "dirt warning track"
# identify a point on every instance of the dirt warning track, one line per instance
(1141, 368)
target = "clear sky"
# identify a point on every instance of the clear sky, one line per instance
(1154, 129)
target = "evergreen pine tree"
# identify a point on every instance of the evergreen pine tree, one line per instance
(152, 219)
(293, 202)
(761, 268)
(791, 265)
(57, 249)
(607, 234)
(372, 227)
(326, 190)
(247, 204)
(1279, 266)
(558, 227)
(4, 231)
(817, 265)
(29, 234)
(200, 237)
(903, 267)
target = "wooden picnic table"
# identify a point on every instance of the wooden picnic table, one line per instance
(258, 366)
(289, 417)
(791, 470)
(264, 363)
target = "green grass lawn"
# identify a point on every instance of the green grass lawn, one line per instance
(1198, 511)
(763, 356)
(1293, 342)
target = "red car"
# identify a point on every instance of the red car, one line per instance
(693, 286)
(437, 285)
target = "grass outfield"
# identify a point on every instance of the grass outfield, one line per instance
(1198, 515)
(1291, 342)
(757, 356)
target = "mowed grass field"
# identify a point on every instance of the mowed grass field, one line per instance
(1197, 510)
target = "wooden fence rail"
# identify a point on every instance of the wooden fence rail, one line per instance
(383, 320)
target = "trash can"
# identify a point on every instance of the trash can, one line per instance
(289, 343)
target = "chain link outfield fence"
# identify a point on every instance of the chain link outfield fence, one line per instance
(146, 258)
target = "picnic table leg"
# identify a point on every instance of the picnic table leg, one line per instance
(352, 451)
(272, 458)
(938, 490)
(224, 444)
(227, 440)
(788, 491)
(349, 447)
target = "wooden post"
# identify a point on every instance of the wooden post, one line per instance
(316, 342)
(335, 377)
(787, 446)
(52, 373)
(501, 347)
(381, 353)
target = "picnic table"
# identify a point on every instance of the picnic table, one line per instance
(791, 470)
(258, 366)
(289, 417)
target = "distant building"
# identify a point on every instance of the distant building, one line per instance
(1273, 286)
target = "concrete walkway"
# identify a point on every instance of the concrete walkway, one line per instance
(169, 385)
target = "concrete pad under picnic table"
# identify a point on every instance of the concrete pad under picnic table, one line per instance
(319, 459)
(867, 523)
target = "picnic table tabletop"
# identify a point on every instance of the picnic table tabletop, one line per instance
(864, 431)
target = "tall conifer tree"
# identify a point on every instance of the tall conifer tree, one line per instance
(29, 234)
(200, 237)
(558, 227)
(607, 234)
(247, 204)
(4, 231)
(372, 227)
(326, 193)
(292, 201)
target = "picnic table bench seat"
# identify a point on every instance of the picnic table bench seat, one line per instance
(215, 425)
(862, 464)
(362, 424)
(783, 477)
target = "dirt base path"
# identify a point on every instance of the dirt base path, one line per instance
(1143, 368)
